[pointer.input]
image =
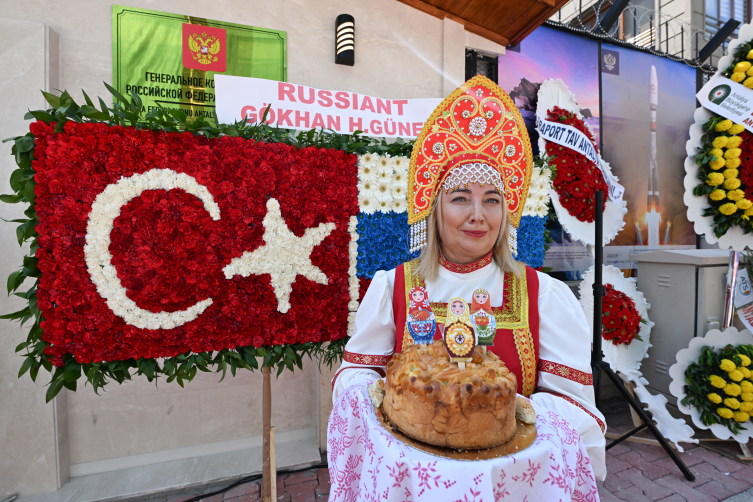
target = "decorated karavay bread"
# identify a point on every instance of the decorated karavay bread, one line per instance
(431, 400)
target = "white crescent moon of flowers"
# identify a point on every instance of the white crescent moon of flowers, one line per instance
(105, 209)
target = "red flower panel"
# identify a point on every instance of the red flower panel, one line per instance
(169, 253)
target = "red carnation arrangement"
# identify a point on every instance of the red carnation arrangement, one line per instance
(746, 162)
(577, 178)
(169, 253)
(620, 318)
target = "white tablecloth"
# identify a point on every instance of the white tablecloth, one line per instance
(367, 463)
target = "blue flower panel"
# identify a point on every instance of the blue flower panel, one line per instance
(531, 241)
(382, 242)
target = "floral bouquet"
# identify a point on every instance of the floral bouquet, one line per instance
(726, 172)
(620, 319)
(719, 163)
(576, 178)
(720, 385)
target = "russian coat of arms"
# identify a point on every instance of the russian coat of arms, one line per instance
(204, 50)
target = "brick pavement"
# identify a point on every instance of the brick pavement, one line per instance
(638, 472)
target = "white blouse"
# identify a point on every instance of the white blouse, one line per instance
(564, 345)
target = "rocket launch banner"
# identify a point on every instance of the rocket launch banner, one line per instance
(570, 137)
(728, 99)
(303, 108)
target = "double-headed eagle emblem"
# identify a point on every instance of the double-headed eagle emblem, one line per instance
(203, 50)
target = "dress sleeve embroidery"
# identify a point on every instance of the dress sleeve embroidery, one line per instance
(366, 359)
(563, 371)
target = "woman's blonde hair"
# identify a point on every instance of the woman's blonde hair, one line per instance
(431, 253)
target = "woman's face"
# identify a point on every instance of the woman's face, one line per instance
(470, 221)
(457, 308)
(418, 296)
(481, 298)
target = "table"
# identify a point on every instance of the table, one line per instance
(367, 463)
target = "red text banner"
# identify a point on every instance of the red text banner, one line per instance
(152, 244)
(293, 106)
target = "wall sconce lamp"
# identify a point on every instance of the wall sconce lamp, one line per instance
(345, 40)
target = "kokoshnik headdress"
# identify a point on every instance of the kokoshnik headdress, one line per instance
(476, 135)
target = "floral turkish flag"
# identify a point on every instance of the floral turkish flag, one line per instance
(152, 244)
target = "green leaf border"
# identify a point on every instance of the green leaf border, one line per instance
(130, 112)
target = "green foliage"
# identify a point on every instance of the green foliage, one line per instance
(698, 383)
(740, 55)
(184, 367)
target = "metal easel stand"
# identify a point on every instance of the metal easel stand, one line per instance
(598, 366)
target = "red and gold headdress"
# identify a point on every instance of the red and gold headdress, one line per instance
(475, 135)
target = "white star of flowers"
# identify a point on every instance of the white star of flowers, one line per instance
(283, 256)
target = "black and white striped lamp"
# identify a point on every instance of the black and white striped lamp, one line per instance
(345, 40)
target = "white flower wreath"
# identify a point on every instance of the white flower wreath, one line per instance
(554, 92)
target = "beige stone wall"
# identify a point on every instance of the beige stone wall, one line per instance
(400, 53)
(29, 460)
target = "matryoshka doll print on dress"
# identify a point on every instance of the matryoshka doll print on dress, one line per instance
(421, 322)
(482, 317)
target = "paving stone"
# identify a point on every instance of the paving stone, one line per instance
(618, 449)
(605, 495)
(723, 464)
(633, 494)
(214, 498)
(285, 497)
(281, 485)
(324, 486)
(649, 469)
(731, 484)
(244, 489)
(745, 474)
(249, 497)
(714, 489)
(689, 493)
(303, 492)
(670, 465)
(648, 452)
(745, 496)
(700, 479)
(614, 483)
(300, 477)
(672, 498)
(616, 464)
(648, 487)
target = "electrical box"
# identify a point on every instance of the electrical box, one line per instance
(686, 290)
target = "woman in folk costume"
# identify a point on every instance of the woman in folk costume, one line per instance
(468, 182)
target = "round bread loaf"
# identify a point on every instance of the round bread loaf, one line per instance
(431, 400)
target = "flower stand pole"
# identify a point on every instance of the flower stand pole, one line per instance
(729, 299)
(599, 366)
(269, 467)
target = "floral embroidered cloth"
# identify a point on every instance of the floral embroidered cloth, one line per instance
(367, 463)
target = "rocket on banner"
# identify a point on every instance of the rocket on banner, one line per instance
(653, 204)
